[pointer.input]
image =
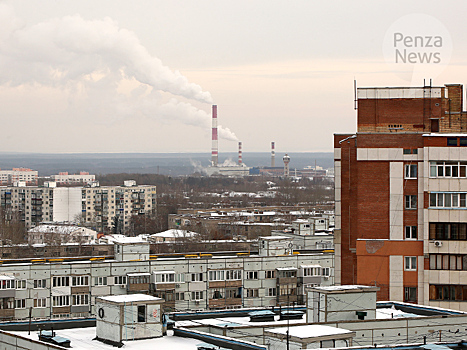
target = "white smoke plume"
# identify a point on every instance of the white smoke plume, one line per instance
(90, 59)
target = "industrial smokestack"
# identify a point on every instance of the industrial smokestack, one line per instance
(240, 161)
(273, 154)
(215, 151)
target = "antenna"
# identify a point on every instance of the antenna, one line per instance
(355, 94)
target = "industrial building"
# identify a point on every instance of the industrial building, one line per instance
(97, 206)
(400, 191)
(235, 170)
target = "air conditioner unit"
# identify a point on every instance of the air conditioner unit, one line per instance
(177, 285)
(438, 244)
(122, 286)
(326, 277)
(197, 302)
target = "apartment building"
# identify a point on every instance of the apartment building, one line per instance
(400, 193)
(63, 178)
(60, 289)
(100, 207)
(26, 175)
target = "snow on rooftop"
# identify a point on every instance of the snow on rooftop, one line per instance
(82, 339)
(275, 238)
(124, 239)
(128, 298)
(310, 331)
(237, 322)
(343, 287)
(174, 233)
(385, 313)
(63, 229)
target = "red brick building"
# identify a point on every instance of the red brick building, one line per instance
(401, 189)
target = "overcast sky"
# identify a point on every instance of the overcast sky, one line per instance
(140, 76)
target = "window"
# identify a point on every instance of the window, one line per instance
(197, 277)
(312, 271)
(61, 300)
(288, 289)
(451, 141)
(233, 293)
(251, 275)
(448, 262)
(411, 171)
(7, 284)
(217, 293)
(100, 281)
(448, 231)
(180, 278)
(40, 283)
(21, 284)
(233, 275)
(216, 275)
(40, 302)
(141, 313)
(179, 296)
(270, 292)
(165, 277)
(326, 271)
(410, 263)
(198, 295)
(118, 280)
(410, 232)
(447, 200)
(271, 274)
(20, 304)
(410, 202)
(60, 281)
(80, 299)
(448, 292)
(448, 169)
(410, 294)
(251, 293)
(78, 281)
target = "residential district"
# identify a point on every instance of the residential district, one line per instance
(381, 263)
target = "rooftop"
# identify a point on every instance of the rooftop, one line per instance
(129, 298)
(82, 339)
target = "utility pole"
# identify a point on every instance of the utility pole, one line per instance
(30, 316)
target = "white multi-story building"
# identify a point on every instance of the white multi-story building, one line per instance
(82, 178)
(98, 206)
(8, 177)
(58, 288)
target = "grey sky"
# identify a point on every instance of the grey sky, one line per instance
(85, 76)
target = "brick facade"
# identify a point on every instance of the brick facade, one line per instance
(376, 204)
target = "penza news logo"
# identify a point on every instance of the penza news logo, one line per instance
(417, 49)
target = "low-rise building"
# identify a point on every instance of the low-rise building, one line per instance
(57, 234)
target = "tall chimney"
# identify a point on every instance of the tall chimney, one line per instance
(240, 161)
(214, 154)
(273, 154)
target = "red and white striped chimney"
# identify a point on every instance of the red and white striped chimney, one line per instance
(215, 151)
(240, 160)
(273, 154)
